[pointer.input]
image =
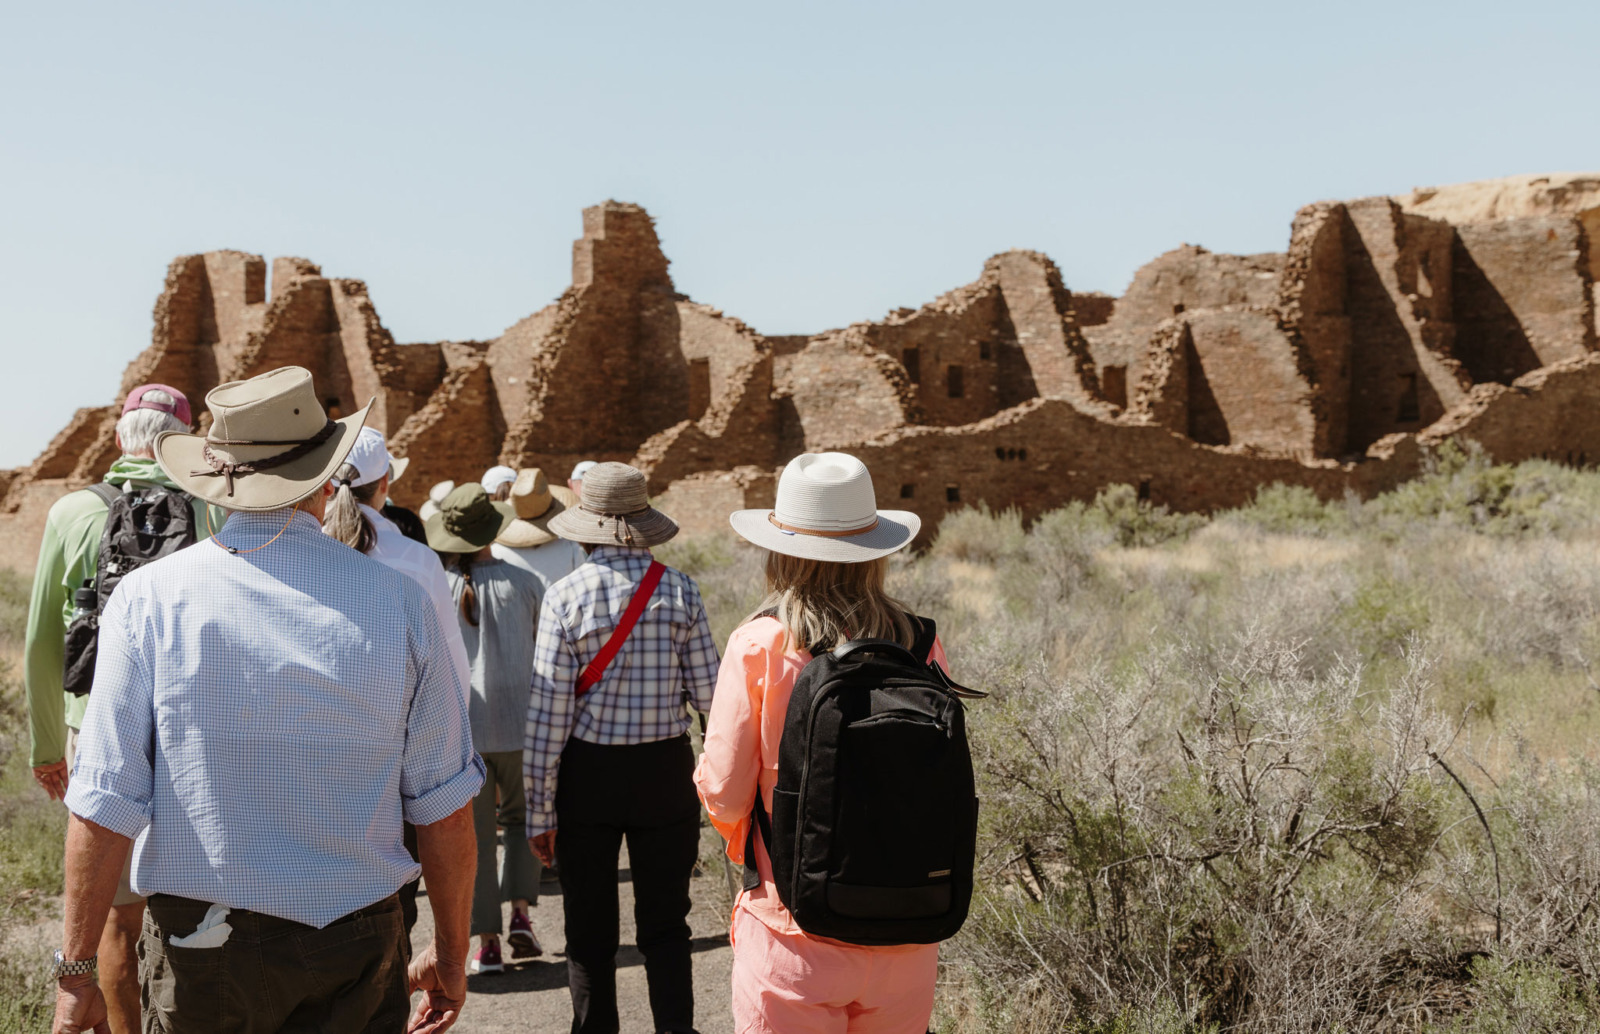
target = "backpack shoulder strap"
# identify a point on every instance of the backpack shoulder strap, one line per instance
(641, 596)
(107, 492)
(927, 632)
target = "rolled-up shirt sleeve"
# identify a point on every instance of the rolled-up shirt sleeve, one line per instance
(550, 715)
(113, 775)
(728, 774)
(440, 771)
(698, 656)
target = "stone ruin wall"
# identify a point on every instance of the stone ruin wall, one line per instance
(1389, 325)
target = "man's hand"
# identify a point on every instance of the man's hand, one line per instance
(443, 984)
(52, 778)
(80, 1007)
(544, 845)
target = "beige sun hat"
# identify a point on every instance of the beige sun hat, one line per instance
(535, 501)
(827, 510)
(467, 521)
(270, 444)
(615, 511)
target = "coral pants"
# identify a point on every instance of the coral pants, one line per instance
(794, 984)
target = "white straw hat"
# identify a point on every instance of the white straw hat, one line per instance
(827, 510)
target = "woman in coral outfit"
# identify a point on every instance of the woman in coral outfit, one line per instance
(827, 545)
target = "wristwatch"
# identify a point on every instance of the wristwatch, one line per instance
(64, 967)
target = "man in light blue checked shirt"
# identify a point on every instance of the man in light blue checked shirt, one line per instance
(266, 708)
(615, 762)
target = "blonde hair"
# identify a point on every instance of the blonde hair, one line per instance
(343, 519)
(823, 602)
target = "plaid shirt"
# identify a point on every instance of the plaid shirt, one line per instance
(668, 661)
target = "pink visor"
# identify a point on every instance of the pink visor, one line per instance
(179, 407)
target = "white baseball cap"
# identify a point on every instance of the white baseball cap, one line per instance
(494, 477)
(370, 456)
(581, 469)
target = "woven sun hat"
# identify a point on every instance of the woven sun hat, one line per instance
(615, 511)
(467, 521)
(827, 510)
(397, 467)
(270, 444)
(494, 477)
(371, 458)
(535, 501)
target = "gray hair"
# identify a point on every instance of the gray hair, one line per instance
(343, 518)
(137, 431)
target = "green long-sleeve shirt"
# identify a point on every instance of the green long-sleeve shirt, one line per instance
(66, 557)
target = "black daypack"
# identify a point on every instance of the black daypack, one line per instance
(874, 822)
(140, 527)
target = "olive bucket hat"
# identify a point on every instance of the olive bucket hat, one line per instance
(467, 520)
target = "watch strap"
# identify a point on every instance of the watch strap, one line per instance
(65, 967)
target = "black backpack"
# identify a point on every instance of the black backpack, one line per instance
(874, 820)
(140, 527)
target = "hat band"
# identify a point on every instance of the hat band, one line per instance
(795, 530)
(302, 447)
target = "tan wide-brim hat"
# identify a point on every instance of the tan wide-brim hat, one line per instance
(397, 467)
(270, 444)
(615, 511)
(827, 510)
(467, 521)
(535, 501)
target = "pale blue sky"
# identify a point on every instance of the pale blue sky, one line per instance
(808, 165)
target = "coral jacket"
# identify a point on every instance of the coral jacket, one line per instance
(748, 708)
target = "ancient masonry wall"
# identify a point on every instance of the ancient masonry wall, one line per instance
(1388, 326)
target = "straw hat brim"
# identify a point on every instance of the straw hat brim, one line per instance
(650, 528)
(397, 468)
(894, 531)
(442, 540)
(181, 455)
(529, 532)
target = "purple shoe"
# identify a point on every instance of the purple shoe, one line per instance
(524, 945)
(488, 959)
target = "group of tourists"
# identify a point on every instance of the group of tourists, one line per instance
(301, 700)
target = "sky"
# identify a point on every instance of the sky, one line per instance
(808, 165)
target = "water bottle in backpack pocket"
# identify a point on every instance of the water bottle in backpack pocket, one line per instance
(874, 817)
(141, 527)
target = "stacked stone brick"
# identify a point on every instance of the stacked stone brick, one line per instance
(1389, 325)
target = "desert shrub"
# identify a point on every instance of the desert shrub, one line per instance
(979, 535)
(1461, 486)
(1289, 510)
(1532, 997)
(731, 575)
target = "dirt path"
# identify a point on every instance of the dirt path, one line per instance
(532, 996)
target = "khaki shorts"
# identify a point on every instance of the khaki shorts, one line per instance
(125, 892)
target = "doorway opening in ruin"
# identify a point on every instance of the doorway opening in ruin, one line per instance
(956, 381)
(908, 491)
(911, 359)
(699, 387)
(1114, 385)
(952, 493)
(1409, 410)
(985, 350)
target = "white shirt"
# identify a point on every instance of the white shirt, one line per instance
(550, 562)
(421, 564)
(262, 721)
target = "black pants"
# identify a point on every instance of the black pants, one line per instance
(644, 792)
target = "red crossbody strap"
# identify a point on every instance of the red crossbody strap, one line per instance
(619, 635)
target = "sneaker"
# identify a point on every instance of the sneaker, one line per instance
(524, 945)
(488, 959)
